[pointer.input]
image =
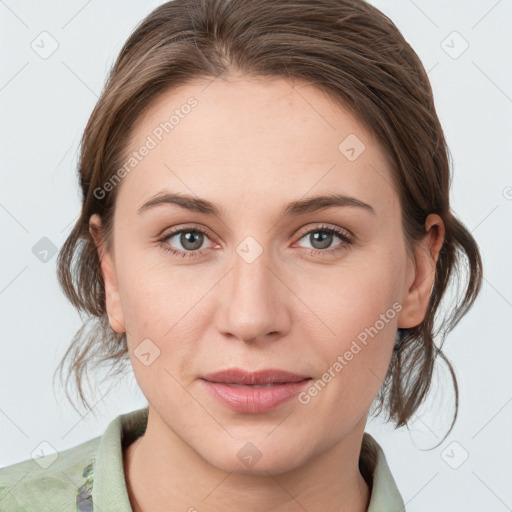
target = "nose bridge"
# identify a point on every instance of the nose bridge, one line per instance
(252, 305)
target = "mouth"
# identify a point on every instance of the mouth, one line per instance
(254, 392)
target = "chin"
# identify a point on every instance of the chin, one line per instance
(258, 458)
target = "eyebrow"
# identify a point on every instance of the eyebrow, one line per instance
(302, 206)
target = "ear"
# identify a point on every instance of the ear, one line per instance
(112, 295)
(421, 274)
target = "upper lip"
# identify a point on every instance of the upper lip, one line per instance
(239, 376)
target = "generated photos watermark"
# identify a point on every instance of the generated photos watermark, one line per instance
(343, 359)
(151, 142)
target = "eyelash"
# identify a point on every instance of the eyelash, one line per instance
(343, 235)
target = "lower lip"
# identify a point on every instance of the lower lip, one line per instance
(250, 399)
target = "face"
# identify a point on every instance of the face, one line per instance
(262, 276)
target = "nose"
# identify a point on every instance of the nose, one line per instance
(254, 306)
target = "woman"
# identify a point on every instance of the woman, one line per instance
(266, 236)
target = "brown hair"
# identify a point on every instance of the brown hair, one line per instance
(347, 48)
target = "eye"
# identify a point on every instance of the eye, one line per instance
(190, 238)
(321, 238)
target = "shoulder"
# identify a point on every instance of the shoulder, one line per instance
(48, 483)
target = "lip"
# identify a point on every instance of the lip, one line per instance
(254, 392)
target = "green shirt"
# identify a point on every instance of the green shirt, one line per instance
(92, 472)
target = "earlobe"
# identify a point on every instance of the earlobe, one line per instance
(112, 295)
(422, 274)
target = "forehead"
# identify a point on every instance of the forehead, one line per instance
(253, 140)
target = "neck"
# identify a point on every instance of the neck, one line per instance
(164, 474)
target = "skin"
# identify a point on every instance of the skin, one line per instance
(251, 147)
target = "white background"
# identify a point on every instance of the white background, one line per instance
(45, 104)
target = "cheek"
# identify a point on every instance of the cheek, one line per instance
(352, 297)
(359, 308)
(355, 363)
(154, 295)
(166, 305)
(146, 301)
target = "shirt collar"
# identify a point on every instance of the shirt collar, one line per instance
(385, 495)
(108, 482)
(109, 490)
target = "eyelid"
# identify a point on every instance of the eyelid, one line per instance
(342, 232)
(186, 227)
